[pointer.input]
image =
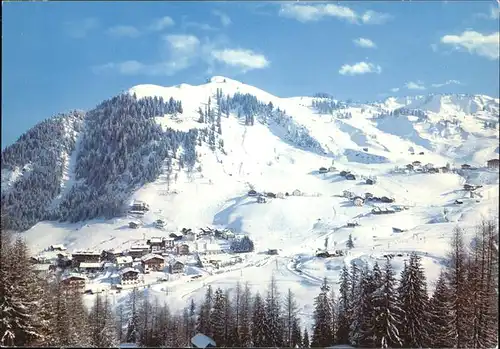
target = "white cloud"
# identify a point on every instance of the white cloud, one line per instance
(313, 13)
(449, 82)
(224, 19)
(418, 85)
(183, 51)
(372, 17)
(360, 68)
(184, 44)
(244, 59)
(80, 28)
(124, 31)
(475, 43)
(395, 89)
(494, 12)
(363, 42)
(162, 23)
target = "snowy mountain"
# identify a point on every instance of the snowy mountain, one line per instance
(193, 153)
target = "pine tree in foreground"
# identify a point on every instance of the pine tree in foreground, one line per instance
(440, 316)
(414, 303)
(387, 312)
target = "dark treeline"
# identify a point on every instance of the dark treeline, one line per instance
(118, 146)
(372, 308)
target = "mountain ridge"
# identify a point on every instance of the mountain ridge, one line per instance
(134, 132)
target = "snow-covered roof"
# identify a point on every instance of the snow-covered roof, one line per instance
(58, 246)
(140, 247)
(155, 240)
(86, 252)
(42, 267)
(152, 256)
(202, 341)
(126, 270)
(124, 259)
(69, 276)
(90, 265)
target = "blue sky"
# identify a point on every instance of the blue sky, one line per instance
(59, 56)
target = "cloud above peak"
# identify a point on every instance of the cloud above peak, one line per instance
(182, 51)
(360, 68)
(244, 59)
(313, 13)
(484, 45)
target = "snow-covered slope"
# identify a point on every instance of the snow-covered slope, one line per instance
(283, 155)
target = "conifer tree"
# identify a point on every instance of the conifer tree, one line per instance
(258, 317)
(387, 312)
(414, 303)
(305, 339)
(322, 329)
(344, 306)
(440, 316)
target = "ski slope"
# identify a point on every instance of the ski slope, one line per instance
(264, 158)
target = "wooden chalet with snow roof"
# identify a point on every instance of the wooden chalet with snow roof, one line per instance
(129, 276)
(153, 262)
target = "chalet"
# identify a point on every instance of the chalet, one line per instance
(74, 282)
(398, 230)
(409, 167)
(201, 341)
(271, 195)
(421, 153)
(139, 206)
(175, 236)
(350, 177)
(133, 225)
(468, 187)
(344, 173)
(175, 267)
(169, 242)
(280, 195)
(365, 149)
(348, 194)
(323, 254)
(89, 268)
(387, 200)
(153, 262)
(159, 224)
(466, 167)
(272, 251)
(323, 170)
(59, 247)
(156, 244)
(182, 249)
(42, 270)
(331, 169)
(416, 163)
(433, 170)
(370, 181)
(138, 251)
(129, 276)
(296, 192)
(493, 163)
(358, 201)
(85, 257)
(186, 231)
(252, 193)
(368, 196)
(352, 224)
(261, 200)
(124, 261)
